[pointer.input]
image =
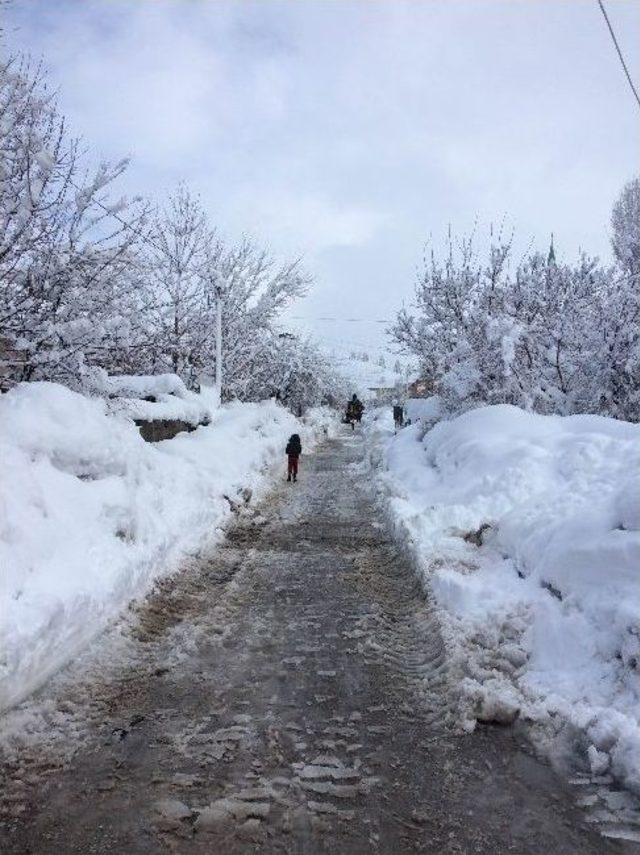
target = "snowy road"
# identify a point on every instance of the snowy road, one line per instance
(287, 694)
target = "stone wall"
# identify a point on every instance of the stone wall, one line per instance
(159, 429)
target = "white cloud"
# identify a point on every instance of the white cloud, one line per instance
(310, 223)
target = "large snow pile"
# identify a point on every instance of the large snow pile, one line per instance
(142, 385)
(90, 514)
(152, 397)
(528, 530)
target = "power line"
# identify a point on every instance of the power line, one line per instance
(346, 350)
(615, 41)
(340, 320)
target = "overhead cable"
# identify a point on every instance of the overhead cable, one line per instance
(617, 46)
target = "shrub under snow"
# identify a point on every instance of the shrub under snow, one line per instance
(90, 514)
(528, 528)
(150, 397)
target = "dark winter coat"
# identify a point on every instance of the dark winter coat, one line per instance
(294, 446)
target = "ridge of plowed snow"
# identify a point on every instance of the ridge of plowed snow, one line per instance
(541, 610)
(90, 514)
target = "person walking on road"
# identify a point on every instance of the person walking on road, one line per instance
(293, 451)
(355, 408)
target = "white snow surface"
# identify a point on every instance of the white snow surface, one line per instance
(141, 385)
(543, 617)
(195, 409)
(126, 393)
(90, 514)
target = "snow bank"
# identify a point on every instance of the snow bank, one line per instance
(528, 528)
(90, 514)
(152, 397)
(195, 409)
(144, 385)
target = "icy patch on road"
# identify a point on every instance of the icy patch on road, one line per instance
(527, 528)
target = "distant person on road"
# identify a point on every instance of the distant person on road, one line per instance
(398, 416)
(293, 451)
(355, 408)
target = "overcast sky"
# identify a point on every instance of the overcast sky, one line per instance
(352, 131)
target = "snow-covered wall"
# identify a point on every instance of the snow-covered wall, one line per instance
(90, 514)
(527, 528)
(153, 398)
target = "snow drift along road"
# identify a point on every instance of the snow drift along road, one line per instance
(542, 610)
(90, 514)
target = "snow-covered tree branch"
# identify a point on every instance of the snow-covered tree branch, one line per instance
(65, 262)
(90, 279)
(548, 336)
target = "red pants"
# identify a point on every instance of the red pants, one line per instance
(292, 465)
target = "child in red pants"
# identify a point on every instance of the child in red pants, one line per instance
(293, 451)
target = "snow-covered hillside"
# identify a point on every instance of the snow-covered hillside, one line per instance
(366, 374)
(527, 529)
(91, 514)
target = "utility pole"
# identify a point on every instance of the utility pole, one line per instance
(219, 340)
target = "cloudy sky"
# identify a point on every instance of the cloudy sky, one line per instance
(351, 132)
